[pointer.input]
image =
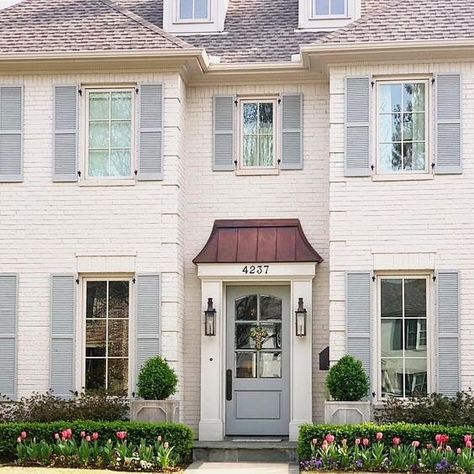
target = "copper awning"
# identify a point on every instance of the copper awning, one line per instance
(257, 241)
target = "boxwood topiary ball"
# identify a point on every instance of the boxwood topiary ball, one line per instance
(347, 380)
(156, 380)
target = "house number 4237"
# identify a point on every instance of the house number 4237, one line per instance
(256, 269)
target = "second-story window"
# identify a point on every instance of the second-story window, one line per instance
(329, 8)
(258, 143)
(402, 123)
(193, 10)
(109, 133)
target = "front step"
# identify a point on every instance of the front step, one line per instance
(244, 451)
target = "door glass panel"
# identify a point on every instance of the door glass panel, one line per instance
(242, 336)
(270, 365)
(246, 365)
(246, 308)
(270, 308)
(273, 340)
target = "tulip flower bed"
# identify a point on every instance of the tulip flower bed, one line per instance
(380, 450)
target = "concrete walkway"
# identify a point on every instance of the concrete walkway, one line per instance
(242, 468)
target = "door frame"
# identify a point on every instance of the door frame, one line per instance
(215, 278)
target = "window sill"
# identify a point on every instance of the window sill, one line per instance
(257, 172)
(107, 183)
(401, 177)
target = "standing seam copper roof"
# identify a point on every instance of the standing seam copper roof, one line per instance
(257, 241)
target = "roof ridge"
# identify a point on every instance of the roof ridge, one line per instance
(147, 24)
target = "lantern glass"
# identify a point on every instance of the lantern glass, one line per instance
(210, 319)
(300, 319)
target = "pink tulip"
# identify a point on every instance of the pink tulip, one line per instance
(441, 439)
(121, 435)
(325, 445)
(467, 438)
(23, 435)
(166, 445)
(458, 451)
(469, 444)
(448, 449)
(88, 438)
(365, 442)
(69, 432)
(160, 438)
(18, 440)
(65, 435)
(314, 441)
(329, 438)
(357, 441)
(83, 434)
(379, 436)
(56, 436)
(415, 444)
(95, 436)
(396, 441)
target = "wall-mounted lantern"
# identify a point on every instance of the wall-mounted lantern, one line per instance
(300, 319)
(210, 319)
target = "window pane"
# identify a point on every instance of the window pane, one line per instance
(419, 157)
(390, 98)
(121, 135)
(414, 127)
(118, 376)
(414, 97)
(416, 378)
(338, 7)
(99, 135)
(118, 299)
(200, 9)
(321, 7)
(99, 105)
(121, 105)
(270, 307)
(250, 118)
(246, 308)
(96, 299)
(415, 338)
(390, 129)
(391, 298)
(390, 159)
(266, 150)
(392, 338)
(120, 161)
(118, 338)
(95, 338)
(273, 340)
(415, 298)
(186, 9)
(246, 367)
(98, 163)
(250, 150)
(270, 365)
(392, 377)
(266, 118)
(242, 336)
(95, 374)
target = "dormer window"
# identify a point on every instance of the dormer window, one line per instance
(330, 8)
(193, 10)
(327, 15)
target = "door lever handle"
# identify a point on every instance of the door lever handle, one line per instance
(228, 385)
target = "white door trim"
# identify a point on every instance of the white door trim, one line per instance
(214, 279)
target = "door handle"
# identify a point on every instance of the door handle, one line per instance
(228, 385)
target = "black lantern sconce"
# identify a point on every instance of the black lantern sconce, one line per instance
(300, 319)
(210, 319)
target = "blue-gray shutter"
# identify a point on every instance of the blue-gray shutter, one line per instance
(292, 132)
(65, 163)
(63, 315)
(11, 134)
(148, 324)
(448, 124)
(150, 149)
(448, 332)
(8, 334)
(358, 317)
(357, 127)
(223, 126)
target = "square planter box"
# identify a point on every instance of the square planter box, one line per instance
(347, 413)
(154, 411)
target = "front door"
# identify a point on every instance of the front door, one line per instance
(258, 360)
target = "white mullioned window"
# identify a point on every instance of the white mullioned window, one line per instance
(329, 8)
(402, 127)
(107, 333)
(403, 320)
(258, 133)
(110, 133)
(193, 10)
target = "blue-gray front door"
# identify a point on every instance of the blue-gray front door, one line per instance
(258, 360)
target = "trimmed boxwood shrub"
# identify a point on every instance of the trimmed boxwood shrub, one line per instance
(347, 380)
(156, 380)
(406, 432)
(177, 435)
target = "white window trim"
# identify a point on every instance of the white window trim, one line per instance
(428, 172)
(329, 16)
(178, 18)
(80, 349)
(430, 329)
(259, 170)
(85, 179)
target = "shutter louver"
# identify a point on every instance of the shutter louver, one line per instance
(11, 134)
(65, 164)
(448, 333)
(148, 325)
(8, 334)
(292, 132)
(448, 120)
(357, 127)
(63, 312)
(150, 153)
(223, 125)
(358, 311)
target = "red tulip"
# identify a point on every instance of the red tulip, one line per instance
(365, 442)
(95, 436)
(329, 438)
(467, 438)
(469, 444)
(396, 441)
(121, 435)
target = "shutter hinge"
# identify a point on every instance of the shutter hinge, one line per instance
(236, 102)
(433, 166)
(373, 278)
(434, 277)
(79, 91)
(137, 90)
(433, 80)
(134, 280)
(135, 172)
(79, 173)
(77, 281)
(372, 84)
(133, 394)
(279, 100)
(279, 161)
(372, 167)
(236, 163)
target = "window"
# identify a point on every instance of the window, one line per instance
(107, 311)
(402, 124)
(403, 309)
(109, 133)
(258, 134)
(330, 8)
(193, 9)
